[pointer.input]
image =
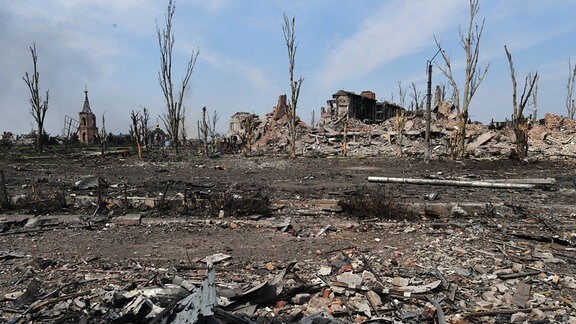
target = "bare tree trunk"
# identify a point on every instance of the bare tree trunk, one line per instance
(401, 95)
(474, 76)
(520, 122)
(461, 122)
(521, 132)
(38, 106)
(144, 127)
(400, 124)
(290, 39)
(135, 116)
(535, 101)
(208, 130)
(212, 131)
(183, 130)
(174, 116)
(205, 130)
(570, 107)
(416, 97)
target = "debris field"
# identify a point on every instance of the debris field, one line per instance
(269, 240)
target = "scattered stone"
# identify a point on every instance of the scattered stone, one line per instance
(400, 282)
(537, 315)
(518, 318)
(325, 270)
(374, 298)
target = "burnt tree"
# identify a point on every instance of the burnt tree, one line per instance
(290, 39)
(535, 100)
(144, 127)
(570, 107)
(209, 132)
(173, 119)
(470, 42)
(38, 105)
(417, 100)
(520, 122)
(136, 131)
(401, 95)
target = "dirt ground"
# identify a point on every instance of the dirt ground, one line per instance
(238, 206)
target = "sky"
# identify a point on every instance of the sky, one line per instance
(111, 48)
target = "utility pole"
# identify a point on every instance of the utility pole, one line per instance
(428, 108)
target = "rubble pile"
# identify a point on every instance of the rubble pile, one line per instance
(467, 269)
(267, 134)
(554, 136)
(273, 136)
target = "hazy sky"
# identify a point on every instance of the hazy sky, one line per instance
(110, 46)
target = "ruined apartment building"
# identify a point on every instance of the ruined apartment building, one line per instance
(363, 106)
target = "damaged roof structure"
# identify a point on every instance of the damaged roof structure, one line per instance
(363, 106)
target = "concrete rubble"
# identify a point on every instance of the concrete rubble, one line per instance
(447, 278)
(553, 136)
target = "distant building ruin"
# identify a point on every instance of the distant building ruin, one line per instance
(281, 106)
(363, 106)
(239, 125)
(87, 130)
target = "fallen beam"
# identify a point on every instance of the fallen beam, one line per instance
(536, 181)
(458, 183)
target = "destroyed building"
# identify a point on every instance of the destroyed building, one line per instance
(268, 132)
(239, 125)
(87, 130)
(345, 105)
(363, 106)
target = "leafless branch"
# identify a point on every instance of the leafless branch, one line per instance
(173, 119)
(289, 31)
(570, 107)
(520, 122)
(474, 75)
(38, 106)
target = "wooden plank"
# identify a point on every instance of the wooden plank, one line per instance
(481, 140)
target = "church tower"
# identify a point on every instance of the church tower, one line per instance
(87, 131)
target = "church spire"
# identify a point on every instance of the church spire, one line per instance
(86, 109)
